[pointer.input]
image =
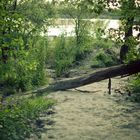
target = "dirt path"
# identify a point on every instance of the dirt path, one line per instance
(93, 116)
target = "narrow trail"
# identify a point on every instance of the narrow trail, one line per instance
(93, 115)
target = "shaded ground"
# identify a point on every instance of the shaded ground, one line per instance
(93, 115)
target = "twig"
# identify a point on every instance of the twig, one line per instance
(86, 91)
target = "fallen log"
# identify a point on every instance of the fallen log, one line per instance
(120, 70)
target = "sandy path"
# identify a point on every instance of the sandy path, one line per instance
(93, 116)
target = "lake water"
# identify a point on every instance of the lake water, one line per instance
(67, 26)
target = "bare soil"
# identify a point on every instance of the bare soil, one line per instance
(93, 115)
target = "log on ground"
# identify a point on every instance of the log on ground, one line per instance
(119, 70)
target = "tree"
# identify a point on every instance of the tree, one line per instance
(129, 15)
(128, 20)
(19, 36)
(36, 14)
(7, 23)
(80, 11)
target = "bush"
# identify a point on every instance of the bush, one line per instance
(133, 87)
(103, 59)
(135, 83)
(64, 55)
(18, 117)
(67, 53)
(103, 43)
(39, 75)
(24, 68)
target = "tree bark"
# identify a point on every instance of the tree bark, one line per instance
(128, 33)
(130, 5)
(124, 69)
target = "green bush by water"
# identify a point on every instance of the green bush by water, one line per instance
(64, 55)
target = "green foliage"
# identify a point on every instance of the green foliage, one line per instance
(134, 86)
(103, 43)
(64, 55)
(80, 8)
(129, 10)
(18, 117)
(37, 12)
(100, 39)
(39, 76)
(74, 9)
(67, 52)
(134, 49)
(126, 7)
(83, 39)
(103, 59)
(135, 83)
(26, 69)
(22, 50)
(50, 54)
(106, 50)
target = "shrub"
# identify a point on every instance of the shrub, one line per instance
(24, 68)
(103, 59)
(18, 117)
(135, 83)
(64, 55)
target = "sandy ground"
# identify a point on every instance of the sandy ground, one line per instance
(93, 115)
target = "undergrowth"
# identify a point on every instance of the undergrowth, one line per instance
(18, 117)
(134, 84)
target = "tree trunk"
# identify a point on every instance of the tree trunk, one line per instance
(127, 7)
(128, 33)
(124, 69)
